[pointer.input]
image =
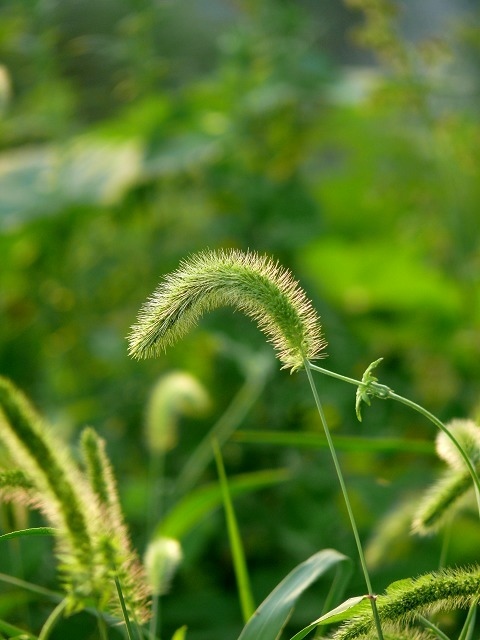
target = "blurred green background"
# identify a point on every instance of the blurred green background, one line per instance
(341, 139)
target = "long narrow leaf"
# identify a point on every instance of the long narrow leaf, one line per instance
(469, 626)
(272, 615)
(11, 631)
(239, 562)
(36, 531)
(340, 613)
(342, 443)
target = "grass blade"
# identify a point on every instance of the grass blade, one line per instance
(12, 631)
(128, 625)
(342, 443)
(35, 531)
(469, 626)
(52, 620)
(272, 615)
(340, 613)
(239, 563)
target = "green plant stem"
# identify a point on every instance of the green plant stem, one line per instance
(384, 392)
(433, 628)
(343, 487)
(469, 626)
(128, 624)
(52, 620)
(33, 588)
(442, 427)
(155, 615)
(52, 595)
(239, 563)
(102, 628)
(447, 537)
(234, 415)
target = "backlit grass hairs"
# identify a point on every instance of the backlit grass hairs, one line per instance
(87, 538)
(114, 539)
(57, 486)
(254, 284)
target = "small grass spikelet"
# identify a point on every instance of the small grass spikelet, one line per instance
(161, 560)
(254, 284)
(445, 494)
(394, 632)
(15, 479)
(406, 599)
(16, 486)
(113, 539)
(468, 435)
(175, 394)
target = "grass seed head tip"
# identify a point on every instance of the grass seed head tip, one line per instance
(254, 284)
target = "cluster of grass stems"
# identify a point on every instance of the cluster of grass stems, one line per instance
(100, 572)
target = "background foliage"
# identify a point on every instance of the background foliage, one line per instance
(133, 133)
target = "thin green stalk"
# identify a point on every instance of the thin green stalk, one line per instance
(128, 625)
(447, 538)
(234, 415)
(240, 565)
(32, 588)
(384, 392)
(102, 628)
(343, 487)
(15, 632)
(53, 595)
(155, 615)
(52, 620)
(438, 423)
(432, 627)
(469, 626)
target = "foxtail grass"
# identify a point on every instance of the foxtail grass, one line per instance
(91, 540)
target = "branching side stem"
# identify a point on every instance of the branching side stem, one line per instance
(384, 392)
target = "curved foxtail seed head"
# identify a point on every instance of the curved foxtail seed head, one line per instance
(444, 590)
(175, 394)
(254, 284)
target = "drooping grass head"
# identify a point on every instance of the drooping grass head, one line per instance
(254, 284)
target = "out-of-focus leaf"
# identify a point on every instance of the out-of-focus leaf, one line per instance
(370, 276)
(200, 502)
(42, 181)
(181, 154)
(180, 633)
(15, 632)
(342, 443)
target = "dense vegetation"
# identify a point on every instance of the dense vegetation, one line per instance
(133, 134)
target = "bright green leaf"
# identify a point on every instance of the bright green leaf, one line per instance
(340, 613)
(36, 531)
(272, 615)
(180, 633)
(200, 502)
